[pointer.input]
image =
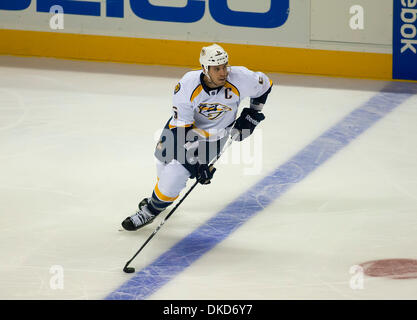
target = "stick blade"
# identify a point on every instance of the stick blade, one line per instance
(129, 269)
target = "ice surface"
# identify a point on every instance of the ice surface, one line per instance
(76, 156)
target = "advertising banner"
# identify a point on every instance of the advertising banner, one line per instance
(261, 22)
(404, 46)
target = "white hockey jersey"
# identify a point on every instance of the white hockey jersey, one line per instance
(210, 111)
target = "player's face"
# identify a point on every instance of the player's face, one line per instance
(218, 74)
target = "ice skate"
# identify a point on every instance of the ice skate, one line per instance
(140, 219)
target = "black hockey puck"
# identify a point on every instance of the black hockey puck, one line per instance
(129, 269)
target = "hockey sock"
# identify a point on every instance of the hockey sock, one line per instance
(156, 205)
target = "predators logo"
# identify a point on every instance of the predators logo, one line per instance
(213, 111)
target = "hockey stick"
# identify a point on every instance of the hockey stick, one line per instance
(128, 269)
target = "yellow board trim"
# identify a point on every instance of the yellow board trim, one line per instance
(186, 53)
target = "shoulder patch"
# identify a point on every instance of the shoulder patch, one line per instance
(177, 88)
(261, 80)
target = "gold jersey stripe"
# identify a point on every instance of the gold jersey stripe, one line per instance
(201, 132)
(234, 89)
(196, 92)
(185, 126)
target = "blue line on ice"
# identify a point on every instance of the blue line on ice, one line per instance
(148, 280)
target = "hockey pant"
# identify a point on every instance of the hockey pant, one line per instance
(173, 176)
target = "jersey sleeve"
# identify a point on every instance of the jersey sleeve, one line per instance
(182, 109)
(254, 84)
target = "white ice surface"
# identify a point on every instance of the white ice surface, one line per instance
(76, 156)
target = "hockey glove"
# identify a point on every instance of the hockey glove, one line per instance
(247, 122)
(205, 173)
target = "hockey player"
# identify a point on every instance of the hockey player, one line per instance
(205, 105)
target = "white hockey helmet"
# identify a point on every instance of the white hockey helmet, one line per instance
(213, 55)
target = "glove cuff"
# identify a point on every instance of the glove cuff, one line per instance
(256, 105)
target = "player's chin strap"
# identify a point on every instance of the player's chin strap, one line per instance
(226, 146)
(205, 71)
